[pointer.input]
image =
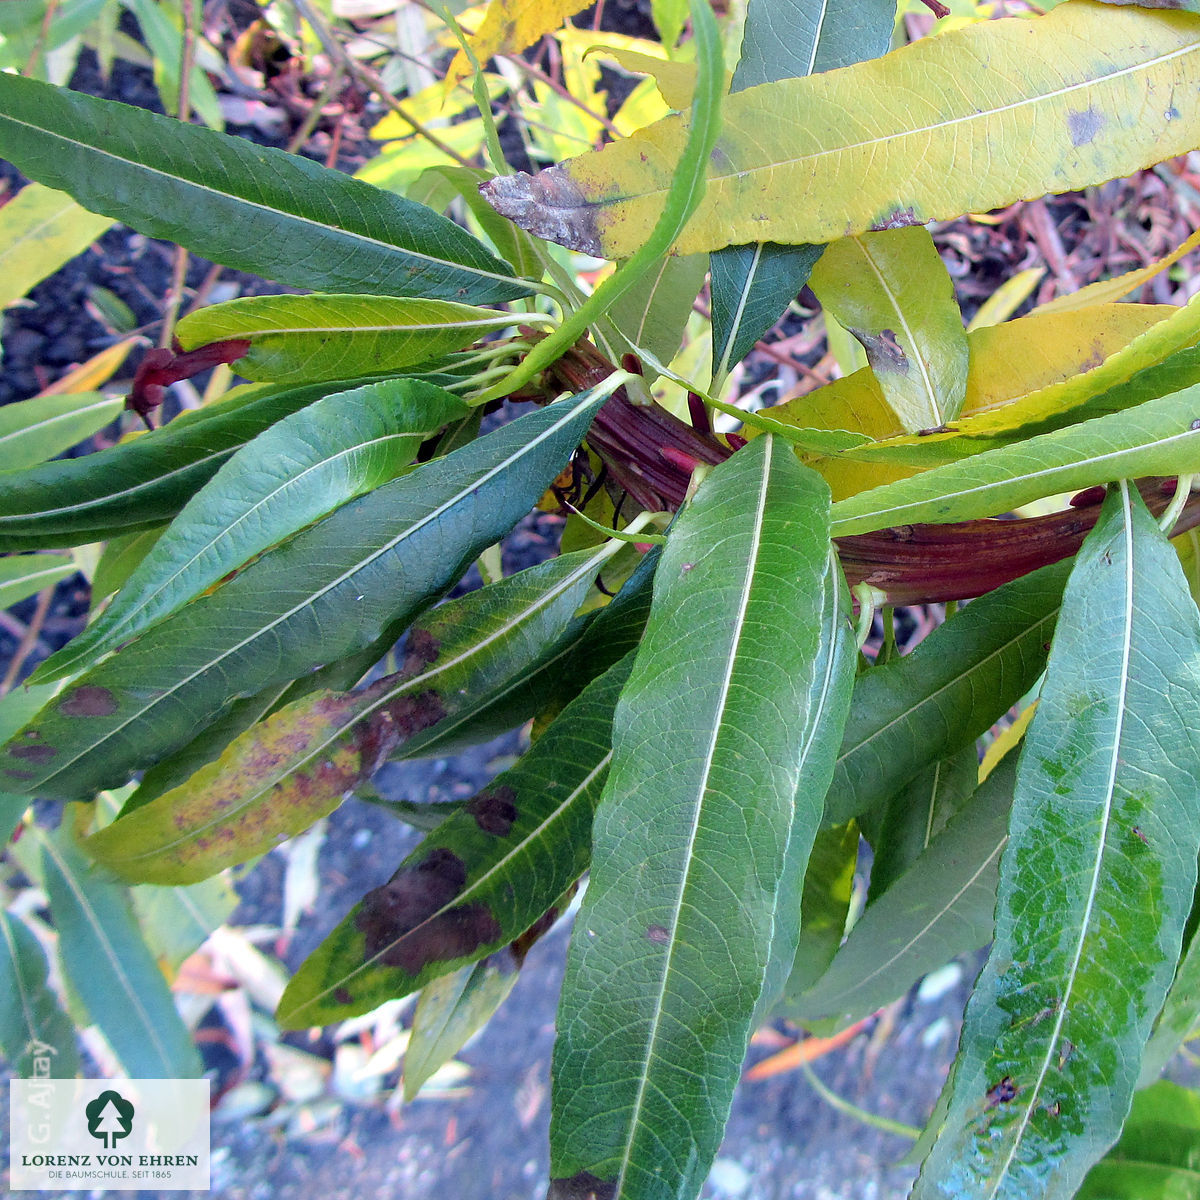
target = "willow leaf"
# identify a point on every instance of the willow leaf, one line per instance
(892, 291)
(481, 878)
(23, 574)
(900, 140)
(292, 474)
(303, 339)
(110, 968)
(1095, 884)
(32, 431)
(332, 590)
(279, 777)
(32, 1022)
(916, 710)
(784, 39)
(671, 948)
(141, 482)
(1160, 437)
(255, 209)
(941, 906)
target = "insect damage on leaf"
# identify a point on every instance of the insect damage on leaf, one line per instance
(410, 921)
(548, 205)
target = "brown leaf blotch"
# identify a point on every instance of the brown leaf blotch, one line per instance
(1084, 126)
(89, 701)
(414, 713)
(899, 218)
(584, 1186)
(494, 810)
(343, 995)
(549, 205)
(39, 755)
(407, 923)
(885, 353)
(658, 934)
(420, 649)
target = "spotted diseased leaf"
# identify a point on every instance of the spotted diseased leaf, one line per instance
(292, 769)
(892, 291)
(671, 948)
(1096, 882)
(479, 880)
(336, 588)
(900, 140)
(292, 474)
(259, 210)
(508, 27)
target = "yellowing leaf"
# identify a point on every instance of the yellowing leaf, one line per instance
(964, 122)
(1007, 361)
(509, 26)
(433, 104)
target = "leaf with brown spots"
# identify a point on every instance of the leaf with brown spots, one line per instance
(466, 890)
(332, 590)
(964, 122)
(282, 775)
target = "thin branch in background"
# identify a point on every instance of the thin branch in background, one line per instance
(338, 54)
(559, 90)
(28, 643)
(39, 47)
(187, 55)
(304, 132)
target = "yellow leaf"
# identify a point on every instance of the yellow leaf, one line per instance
(433, 105)
(509, 26)
(1005, 740)
(964, 122)
(98, 369)
(1006, 362)
(1007, 298)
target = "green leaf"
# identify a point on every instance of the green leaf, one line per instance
(333, 589)
(449, 1011)
(671, 949)
(41, 229)
(1158, 1155)
(1178, 1016)
(144, 480)
(1096, 881)
(782, 39)
(32, 1023)
(927, 705)
(279, 777)
(301, 339)
(892, 291)
(479, 880)
(176, 921)
(292, 474)
(653, 314)
(911, 818)
(940, 907)
(32, 431)
(110, 967)
(1187, 546)
(23, 574)
(255, 209)
(798, 161)
(1160, 437)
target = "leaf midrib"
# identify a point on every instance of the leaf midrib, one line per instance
(47, 423)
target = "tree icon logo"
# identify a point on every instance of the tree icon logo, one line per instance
(109, 1117)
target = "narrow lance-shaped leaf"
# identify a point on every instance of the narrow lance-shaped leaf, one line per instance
(900, 140)
(333, 589)
(23, 574)
(654, 312)
(956, 684)
(892, 291)
(279, 777)
(302, 339)
(110, 967)
(292, 474)
(1160, 437)
(32, 1023)
(41, 229)
(141, 482)
(1096, 881)
(671, 948)
(753, 284)
(32, 431)
(480, 879)
(259, 210)
(941, 906)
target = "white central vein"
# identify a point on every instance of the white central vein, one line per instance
(718, 725)
(1122, 692)
(47, 423)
